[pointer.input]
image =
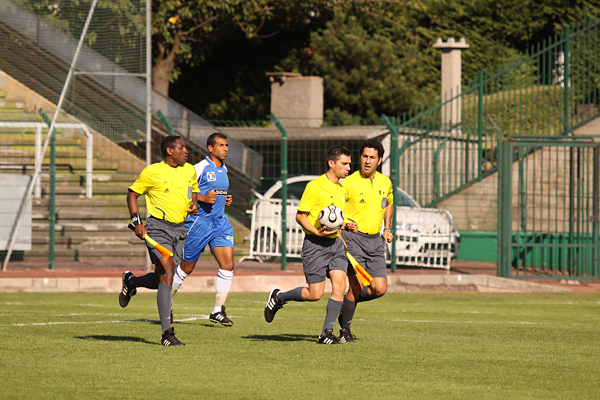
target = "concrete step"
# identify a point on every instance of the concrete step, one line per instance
(137, 255)
(29, 154)
(26, 142)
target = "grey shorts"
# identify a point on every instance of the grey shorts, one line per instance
(368, 251)
(321, 255)
(170, 235)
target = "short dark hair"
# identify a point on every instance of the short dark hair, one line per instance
(335, 152)
(372, 144)
(212, 138)
(168, 142)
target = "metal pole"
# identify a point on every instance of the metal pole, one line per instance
(38, 165)
(284, 187)
(395, 178)
(480, 127)
(148, 100)
(52, 200)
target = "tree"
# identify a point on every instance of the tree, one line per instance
(184, 31)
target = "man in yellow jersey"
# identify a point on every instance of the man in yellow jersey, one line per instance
(369, 202)
(171, 191)
(323, 253)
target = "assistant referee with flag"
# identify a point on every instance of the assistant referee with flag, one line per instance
(369, 201)
(171, 191)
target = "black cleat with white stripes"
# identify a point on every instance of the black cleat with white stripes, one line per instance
(220, 318)
(328, 338)
(126, 292)
(168, 338)
(273, 305)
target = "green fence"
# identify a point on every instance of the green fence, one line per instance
(448, 145)
(549, 214)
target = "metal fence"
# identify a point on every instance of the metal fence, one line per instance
(549, 215)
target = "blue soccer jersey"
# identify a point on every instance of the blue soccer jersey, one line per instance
(212, 179)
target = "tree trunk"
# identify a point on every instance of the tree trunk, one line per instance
(164, 65)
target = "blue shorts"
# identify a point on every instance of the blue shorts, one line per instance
(216, 232)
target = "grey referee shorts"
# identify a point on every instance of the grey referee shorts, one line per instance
(368, 250)
(170, 235)
(321, 255)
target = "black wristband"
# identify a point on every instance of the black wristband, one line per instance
(135, 219)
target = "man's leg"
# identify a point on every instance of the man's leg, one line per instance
(181, 272)
(334, 305)
(277, 298)
(165, 270)
(376, 289)
(349, 304)
(224, 257)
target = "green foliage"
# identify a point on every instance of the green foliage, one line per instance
(117, 29)
(366, 74)
(409, 345)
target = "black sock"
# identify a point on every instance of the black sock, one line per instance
(364, 295)
(291, 295)
(164, 300)
(333, 310)
(146, 281)
(348, 308)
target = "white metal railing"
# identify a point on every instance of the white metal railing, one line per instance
(265, 230)
(89, 152)
(425, 237)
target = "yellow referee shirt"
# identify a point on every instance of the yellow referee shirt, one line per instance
(168, 190)
(366, 200)
(320, 193)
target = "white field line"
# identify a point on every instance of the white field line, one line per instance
(423, 321)
(195, 318)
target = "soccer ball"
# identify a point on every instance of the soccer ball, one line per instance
(331, 217)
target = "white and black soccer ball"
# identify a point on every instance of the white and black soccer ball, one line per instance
(331, 217)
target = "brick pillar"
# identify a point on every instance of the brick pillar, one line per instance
(296, 96)
(451, 79)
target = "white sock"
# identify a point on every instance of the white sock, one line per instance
(178, 278)
(222, 287)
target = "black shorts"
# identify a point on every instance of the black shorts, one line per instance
(320, 255)
(170, 235)
(368, 250)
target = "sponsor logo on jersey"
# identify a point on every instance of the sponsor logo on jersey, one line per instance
(189, 192)
(210, 176)
(219, 192)
(167, 190)
(362, 201)
(383, 202)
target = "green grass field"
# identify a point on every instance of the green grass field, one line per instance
(409, 345)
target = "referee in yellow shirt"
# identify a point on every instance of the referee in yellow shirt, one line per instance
(171, 191)
(368, 202)
(323, 253)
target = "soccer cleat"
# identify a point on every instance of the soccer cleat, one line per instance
(220, 317)
(168, 338)
(346, 336)
(126, 292)
(273, 305)
(328, 338)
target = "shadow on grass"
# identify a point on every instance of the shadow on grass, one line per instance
(110, 338)
(282, 338)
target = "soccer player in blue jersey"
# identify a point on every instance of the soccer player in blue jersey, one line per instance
(210, 226)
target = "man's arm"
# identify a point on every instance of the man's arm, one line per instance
(388, 234)
(140, 229)
(302, 219)
(194, 205)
